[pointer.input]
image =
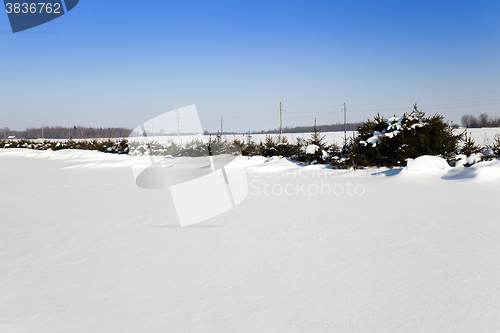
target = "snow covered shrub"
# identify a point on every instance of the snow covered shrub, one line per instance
(269, 148)
(285, 148)
(390, 142)
(470, 147)
(193, 148)
(314, 151)
(248, 147)
(112, 147)
(218, 146)
(277, 147)
(108, 146)
(228, 148)
(495, 147)
(470, 153)
(344, 157)
(490, 151)
(239, 143)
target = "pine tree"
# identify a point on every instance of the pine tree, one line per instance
(390, 142)
(316, 137)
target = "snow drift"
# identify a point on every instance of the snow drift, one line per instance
(83, 249)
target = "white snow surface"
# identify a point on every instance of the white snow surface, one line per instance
(427, 163)
(83, 249)
(310, 149)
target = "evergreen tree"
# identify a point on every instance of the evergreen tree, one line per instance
(390, 142)
(316, 137)
(316, 145)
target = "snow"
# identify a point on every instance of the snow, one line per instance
(375, 138)
(310, 149)
(395, 126)
(488, 171)
(83, 249)
(472, 159)
(392, 134)
(488, 152)
(427, 163)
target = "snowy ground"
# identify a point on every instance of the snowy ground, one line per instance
(83, 249)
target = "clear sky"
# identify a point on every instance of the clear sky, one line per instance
(122, 62)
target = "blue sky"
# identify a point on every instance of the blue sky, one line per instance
(120, 63)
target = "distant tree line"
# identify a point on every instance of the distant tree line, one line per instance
(484, 120)
(306, 129)
(80, 132)
(58, 132)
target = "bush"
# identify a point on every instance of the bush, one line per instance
(248, 148)
(107, 146)
(381, 142)
(269, 147)
(314, 151)
(495, 147)
(470, 147)
(390, 142)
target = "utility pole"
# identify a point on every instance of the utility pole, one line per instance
(281, 121)
(42, 132)
(345, 123)
(221, 127)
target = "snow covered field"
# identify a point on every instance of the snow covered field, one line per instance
(481, 136)
(83, 249)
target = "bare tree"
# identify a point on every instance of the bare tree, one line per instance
(484, 120)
